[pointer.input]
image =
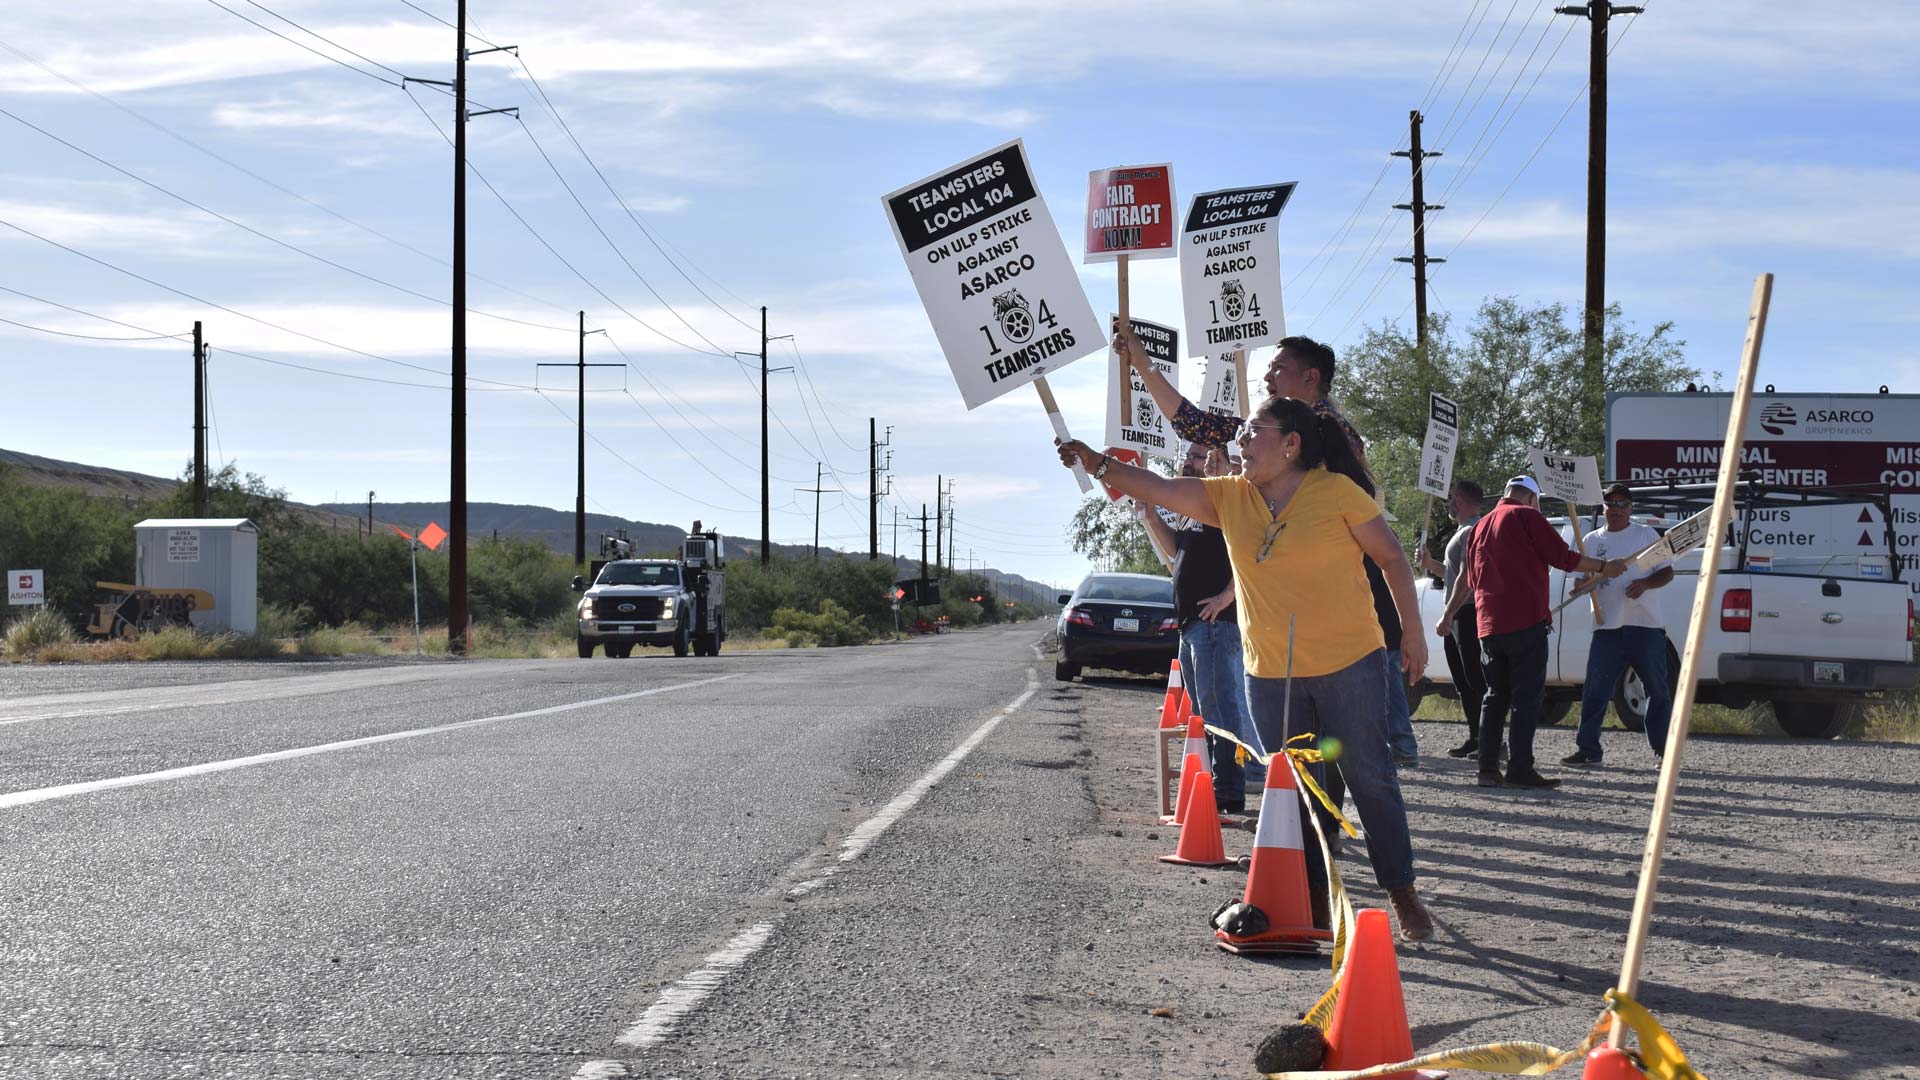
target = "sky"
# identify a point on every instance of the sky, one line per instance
(749, 145)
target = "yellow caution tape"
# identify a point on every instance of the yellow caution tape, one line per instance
(1660, 1055)
(1507, 1059)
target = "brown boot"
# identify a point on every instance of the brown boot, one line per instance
(1415, 923)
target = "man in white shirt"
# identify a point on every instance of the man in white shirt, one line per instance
(1629, 632)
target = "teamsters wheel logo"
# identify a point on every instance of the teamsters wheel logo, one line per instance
(1144, 413)
(1777, 417)
(1015, 317)
(1233, 299)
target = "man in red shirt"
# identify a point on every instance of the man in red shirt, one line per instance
(1505, 578)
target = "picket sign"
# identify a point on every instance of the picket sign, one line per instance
(1129, 213)
(1436, 453)
(1230, 270)
(1721, 514)
(1574, 479)
(1144, 426)
(994, 277)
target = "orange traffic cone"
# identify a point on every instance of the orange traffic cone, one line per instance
(1369, 1024)
(1170, 708)
(1200, 841)
(1277, 880)
(1608, 1063)
(1193, 754)
(1186, 705)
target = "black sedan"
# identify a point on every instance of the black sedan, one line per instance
(1123, 622)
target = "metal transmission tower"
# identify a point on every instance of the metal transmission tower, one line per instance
(1593, 316)
(1417, 161)
(457, 480)
(580, 438)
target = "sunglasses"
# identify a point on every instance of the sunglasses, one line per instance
(1619, 504)
(1266, 542)
(1248, 431)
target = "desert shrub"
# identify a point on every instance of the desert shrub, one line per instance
(829, 624)
(37, 630)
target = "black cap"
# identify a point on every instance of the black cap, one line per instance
(1618, 488)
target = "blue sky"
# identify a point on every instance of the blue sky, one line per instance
(755, 139)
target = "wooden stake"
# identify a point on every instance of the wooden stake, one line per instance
(1240, 380)
(1126, 323)
(1060, 428)
(1580, 545)
(1703, 602)
(1426, 525)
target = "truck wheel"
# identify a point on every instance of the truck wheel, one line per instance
(680, 642)
(713, 644)
(1814, 719)
(1064, 671)
(1630, 694)
(586, 647)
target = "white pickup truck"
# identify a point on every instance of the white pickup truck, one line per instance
(1816, 638)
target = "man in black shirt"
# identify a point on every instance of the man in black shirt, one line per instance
(1212, 666)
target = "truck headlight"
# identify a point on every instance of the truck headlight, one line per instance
(586, 608)
(666, 608)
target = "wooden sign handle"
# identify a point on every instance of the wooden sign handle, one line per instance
(1126, 323)
(1580, 545)
(1703, 605)
(1060, 428)
(1240, 380)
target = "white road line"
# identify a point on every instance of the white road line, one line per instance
(676, 1001)
(657, 1023)
(24, 798)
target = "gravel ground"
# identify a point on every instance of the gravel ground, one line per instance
(1786, 940)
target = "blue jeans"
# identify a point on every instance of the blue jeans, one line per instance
(1212, 668)
(1399, 713)
(1644, 647)
(1347, 705)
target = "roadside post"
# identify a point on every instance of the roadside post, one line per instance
(1436, 454)
(994, 278)
(1230, 275)
(1129, 215)
(1703, 596)
(433, 536)
(1574, 479)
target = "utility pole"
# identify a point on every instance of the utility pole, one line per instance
(369, 515)
(199, 422)
(951, 539)
(457, 425)
(939, 515)
(873, 485)
(1593, 316)
(766, 495)
(580, 439)
(817, 490)
(925, 573)
(894, 566)
(1417, 161)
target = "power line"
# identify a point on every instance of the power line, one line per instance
(269, 237)
(554, 111)
(330, 41)
(595, 222)
(234, 311)
(617, 456)
(244, 170)
(309, 48)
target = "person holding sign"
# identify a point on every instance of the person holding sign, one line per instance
(1210, 655)
(1463, 640)
(1629, 632)
(1508, 556)
(1298, 530)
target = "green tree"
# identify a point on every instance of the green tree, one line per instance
(1515, 371)
(1112, 538)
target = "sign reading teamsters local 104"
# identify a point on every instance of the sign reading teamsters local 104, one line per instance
(993, 274)
(1230, 269)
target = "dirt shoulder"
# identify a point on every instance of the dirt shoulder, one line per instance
(1786, 943)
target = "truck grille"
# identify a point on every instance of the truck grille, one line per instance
(627, 607)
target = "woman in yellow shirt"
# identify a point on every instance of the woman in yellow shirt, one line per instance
(1297, 527)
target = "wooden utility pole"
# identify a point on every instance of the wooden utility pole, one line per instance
(923, 540)
(199, 422)
(817, 490)
(873, 489)
(939, 514)
(1417, 161)
(580, 366)
(369, 515)
(766, 493)
(1593, 315)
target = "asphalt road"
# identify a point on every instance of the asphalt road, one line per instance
(491, 869)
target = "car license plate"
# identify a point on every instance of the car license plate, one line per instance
(1127, 626)
(620, 629)
(1829, 671)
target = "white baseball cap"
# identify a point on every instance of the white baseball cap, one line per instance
(1524, 482)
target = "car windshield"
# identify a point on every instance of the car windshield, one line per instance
(1129, 590)
(625, 573)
